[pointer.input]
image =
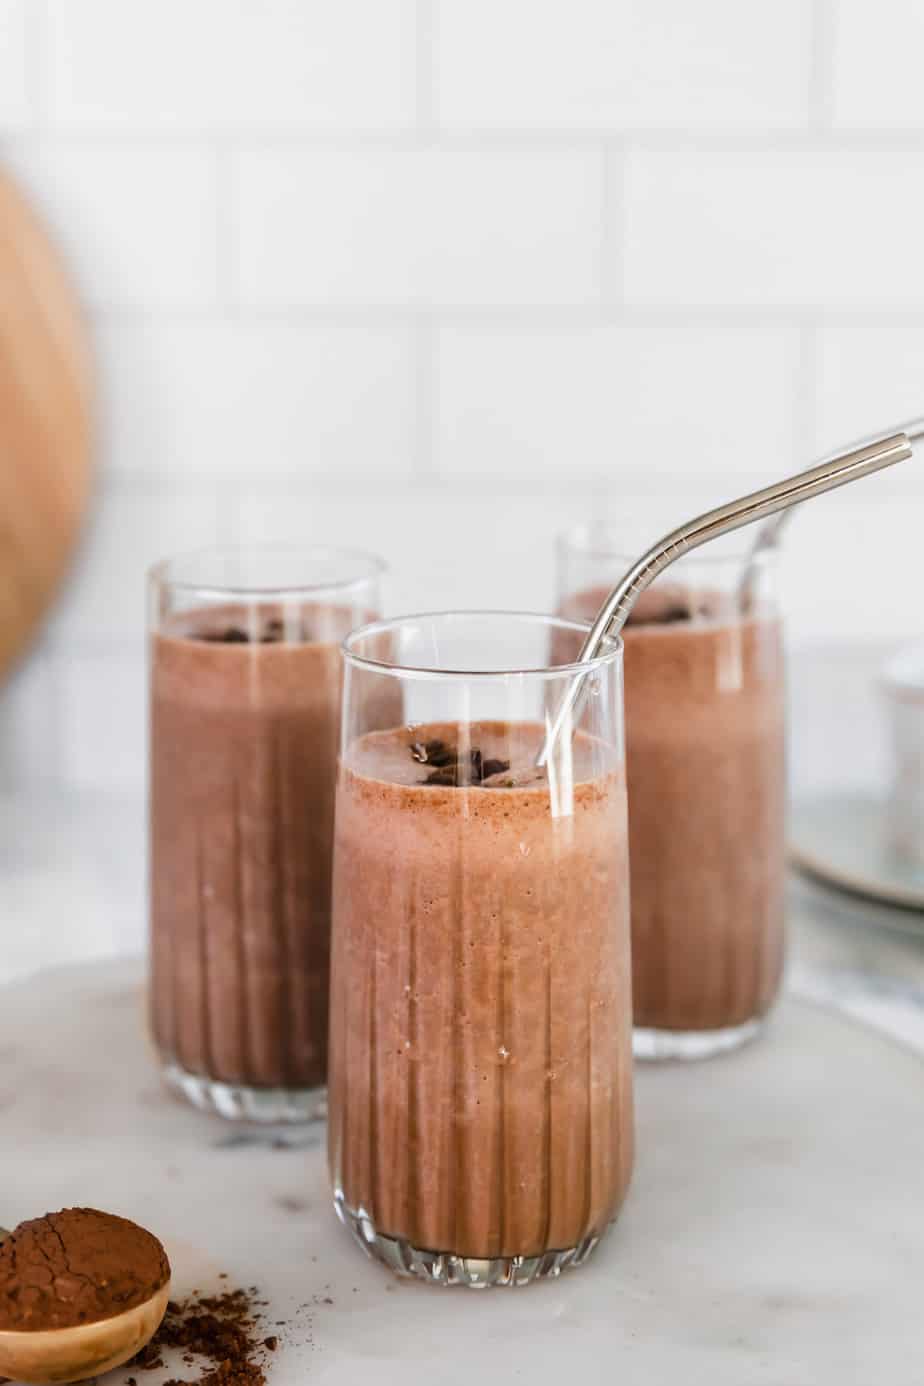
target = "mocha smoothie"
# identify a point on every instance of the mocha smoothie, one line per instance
(705, 758)
(480, 1086)
(244, 730)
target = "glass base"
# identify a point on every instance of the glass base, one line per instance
(238, 1102)
(445, 1268)
(652, 1044)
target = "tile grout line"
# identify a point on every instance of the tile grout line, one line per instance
(225, 285)
(38, 39)
(548, 317)
(226, 497)
(426, 369)
(613, 229)
(819, 137)
(425, 76)
(821, 67)
(805, 410)
(434, 485)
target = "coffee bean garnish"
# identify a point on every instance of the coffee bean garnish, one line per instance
(449, 771)
(448, 776)
(274, 633)
(433, 752)
(667, 617)
(233, 635)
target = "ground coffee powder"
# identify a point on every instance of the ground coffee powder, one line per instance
(223, 1330)
(77, 1266)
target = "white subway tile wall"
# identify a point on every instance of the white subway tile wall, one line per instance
(140, 224)
(416, 228)
(878, 65)
(801, 228)
(596, 401)
(103, 734)
(594, 65)
(864, 373)
(29, 724)
(215, 67)
(102, 607)
(438, 277)
(15, 109)
(255, 397)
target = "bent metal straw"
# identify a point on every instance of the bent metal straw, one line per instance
(836, 471)
(768, 536)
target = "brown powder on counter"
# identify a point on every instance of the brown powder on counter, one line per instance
(77, 1266)
(223, 1329)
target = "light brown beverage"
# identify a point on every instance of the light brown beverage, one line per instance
(480, 1085)
(705, 757)
(244, 736)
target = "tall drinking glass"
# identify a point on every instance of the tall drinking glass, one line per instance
(705, 755)
(480, 1083)
(246, 672)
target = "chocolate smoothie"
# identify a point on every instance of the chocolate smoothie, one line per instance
(705, 756)
(244, 732)
(481, 1084)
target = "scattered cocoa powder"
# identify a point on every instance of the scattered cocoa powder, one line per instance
(222, 1329)
(77, 1266)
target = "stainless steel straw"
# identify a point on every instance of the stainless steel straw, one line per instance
(768, 536)
(836, 471)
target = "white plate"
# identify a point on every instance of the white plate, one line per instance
(772, 1236)
(841, 840)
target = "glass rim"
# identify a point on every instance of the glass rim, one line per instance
(159, 573)
(571, 541)
(422, 671)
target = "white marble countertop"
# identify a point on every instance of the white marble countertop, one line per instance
(771, 1236)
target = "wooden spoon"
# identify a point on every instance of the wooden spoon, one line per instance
(51, 1355)
(74, 1354)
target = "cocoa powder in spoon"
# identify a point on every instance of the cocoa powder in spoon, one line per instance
(77, 1266)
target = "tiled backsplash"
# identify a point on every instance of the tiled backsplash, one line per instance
(437, 277)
